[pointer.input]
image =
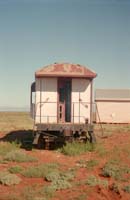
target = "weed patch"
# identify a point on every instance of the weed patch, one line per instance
(55, 175)
(6, 147)
(90, 164)
(49, 191)
(127, 188)
(60, 180)
(115, 188)
(76, 148)
(9, 179)
(111, 169)
(93, 181)
(61, 184)
(19, 156)
(35, 192)
(15, 169)
(40, 171)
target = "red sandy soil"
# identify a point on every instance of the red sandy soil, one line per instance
(115, 141)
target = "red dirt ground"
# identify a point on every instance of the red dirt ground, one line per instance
(116, 148)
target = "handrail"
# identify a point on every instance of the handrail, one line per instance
(43, 103)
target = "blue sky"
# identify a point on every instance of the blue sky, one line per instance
(35, 33)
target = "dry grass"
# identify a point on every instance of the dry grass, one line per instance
(101, 163)
(10, 121)
(106, 130)
(6, 147)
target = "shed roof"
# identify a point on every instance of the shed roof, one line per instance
(65, 70)
(112, 94)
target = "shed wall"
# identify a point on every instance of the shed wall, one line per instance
(113, 112)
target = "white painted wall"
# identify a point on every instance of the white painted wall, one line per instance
(46, 89)
(113, 112)
(81, 89)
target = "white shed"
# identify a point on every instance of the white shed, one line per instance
(113, 105)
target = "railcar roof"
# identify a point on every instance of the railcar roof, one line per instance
(65, 70)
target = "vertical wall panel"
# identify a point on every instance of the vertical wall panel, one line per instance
(81, 92)
(46, 92)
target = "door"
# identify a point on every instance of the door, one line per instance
(64, 100)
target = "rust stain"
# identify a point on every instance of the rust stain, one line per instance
(58, 68)
(75, 68)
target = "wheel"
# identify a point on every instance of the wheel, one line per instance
(92, 137)
(41, 142)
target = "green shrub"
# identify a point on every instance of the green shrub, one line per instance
(68, 175)
(76, 148)
(57, 175)
(9, 179)
(19, 156)
(60, 180)
(49, 191)
(90, 164)
(112, 169)
(61, 184)
(15, 169)
(115, 187)
(36, 192)
(127, 188)
(93, 181)
(40, 170)
(81, 163)
(29, 192)
(52, 176)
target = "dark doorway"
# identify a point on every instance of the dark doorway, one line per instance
(64, 105)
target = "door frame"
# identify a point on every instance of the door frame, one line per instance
(58, 103)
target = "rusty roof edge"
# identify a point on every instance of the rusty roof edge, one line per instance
(91, 73)
(65, 75)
